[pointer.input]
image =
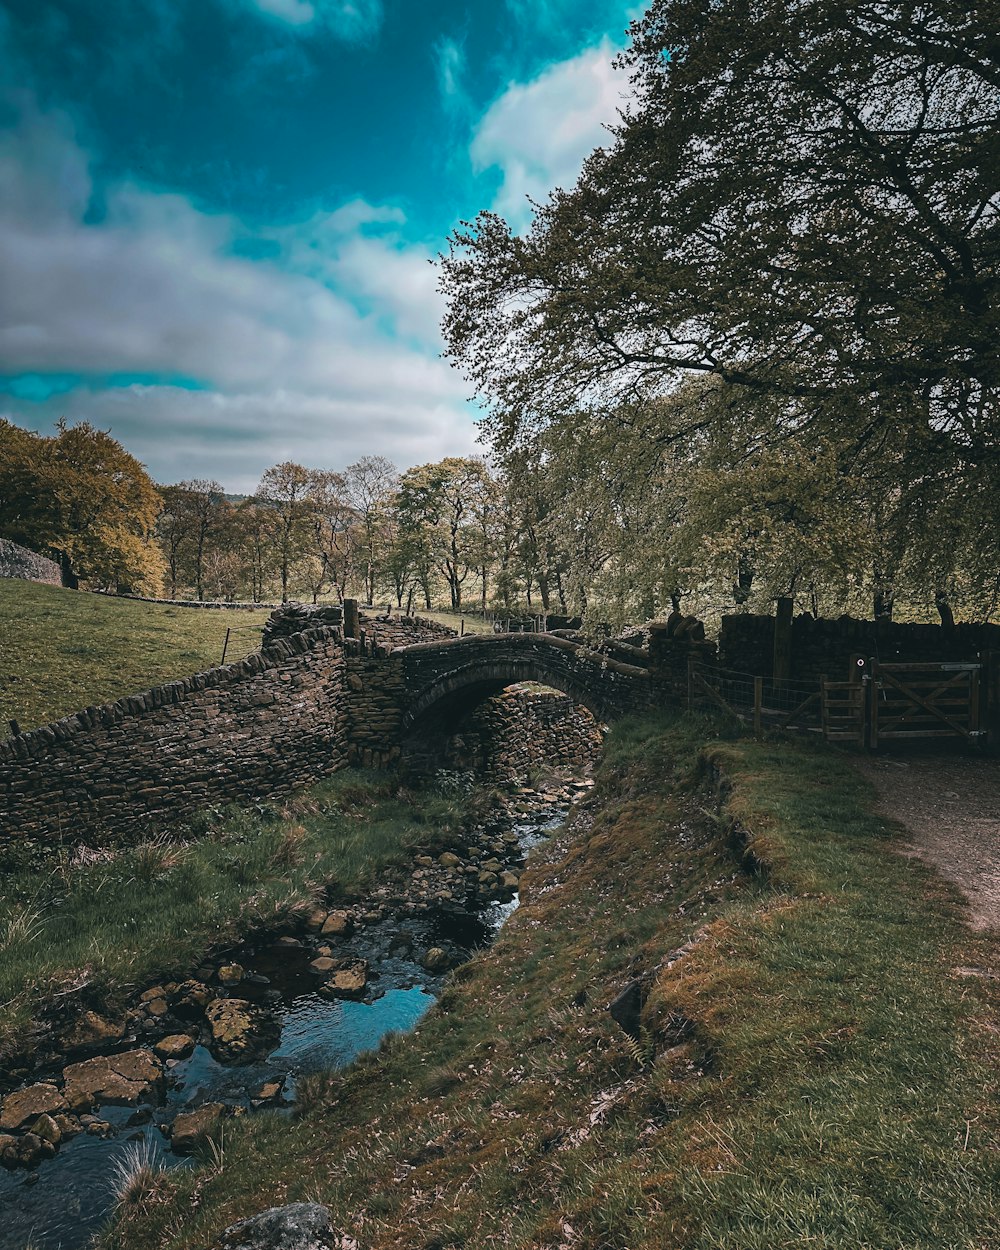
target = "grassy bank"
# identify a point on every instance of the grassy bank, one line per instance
(808, 1069)
(95, 924)
(62, 650)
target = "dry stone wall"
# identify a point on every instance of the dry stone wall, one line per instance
(28, 566)
(521, 730)
(825, 647)
(260, 727)
(305, 706)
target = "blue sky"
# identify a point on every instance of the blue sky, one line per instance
(216, 215)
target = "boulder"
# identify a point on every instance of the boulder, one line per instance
(29, 1104)
(324, 964)
(230, 975)
(8, 1150)
(190, 1000)
(47, 1129)
(436, 959)
(116, 1079)
(337, 924)
(237, 1027)
(447, 859)
(192, 1127)
(348, 980)
(175, 1046)
(298, 1226)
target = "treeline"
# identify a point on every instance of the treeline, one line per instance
(453, 532)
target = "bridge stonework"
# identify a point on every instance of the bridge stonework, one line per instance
(304, 707)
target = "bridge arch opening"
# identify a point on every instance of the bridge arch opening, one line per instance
(501, 730)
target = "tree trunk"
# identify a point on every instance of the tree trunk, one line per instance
(944, 609)
(66, 575)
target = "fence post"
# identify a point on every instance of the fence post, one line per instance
(225, 648)
(352, 619)
(781, 669)
(758, 704)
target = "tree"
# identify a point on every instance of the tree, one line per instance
(255, 532)
(81, 496)
(286, 490)
(801, 204)
(333, 532)
(369, 485)
(437, 506)
(195, 513)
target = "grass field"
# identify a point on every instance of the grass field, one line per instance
(62, 650)
(810, 1067)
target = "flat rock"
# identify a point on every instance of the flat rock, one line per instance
(29, 1104)
(349, 978)
(192, 1127)
(116, 1079)
(298, 1226)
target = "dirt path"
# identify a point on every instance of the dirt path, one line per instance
(950, 805)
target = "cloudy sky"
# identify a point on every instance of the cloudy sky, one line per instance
(216, 215)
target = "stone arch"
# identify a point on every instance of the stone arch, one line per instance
(462, 688)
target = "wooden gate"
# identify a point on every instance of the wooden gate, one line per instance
(900, 702)
(909, 701)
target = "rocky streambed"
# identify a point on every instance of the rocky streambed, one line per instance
(236, 1035)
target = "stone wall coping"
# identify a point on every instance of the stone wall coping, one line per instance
(24, 746)
(492, 640)
(235, 605)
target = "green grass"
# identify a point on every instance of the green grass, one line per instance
(63, 650)
(95, 928)
(809, 1072)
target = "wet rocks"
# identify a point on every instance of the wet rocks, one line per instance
(28, 1104)
(347, 978)
(115, 1079)
(237, 1027)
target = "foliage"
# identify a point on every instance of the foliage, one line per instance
(79, 495)
(800, 203)
(445, 512)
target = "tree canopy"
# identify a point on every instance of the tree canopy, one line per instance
(800, 204)
(81, 496)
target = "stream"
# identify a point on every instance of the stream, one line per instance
(62, 1202)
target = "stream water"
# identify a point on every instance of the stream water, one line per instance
(63, 1202)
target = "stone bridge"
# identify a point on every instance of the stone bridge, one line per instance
(310, 702)
(404, 702)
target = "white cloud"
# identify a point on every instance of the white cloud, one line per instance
(328, 349)
(540, 132)
(449, 60)
(353, 20)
